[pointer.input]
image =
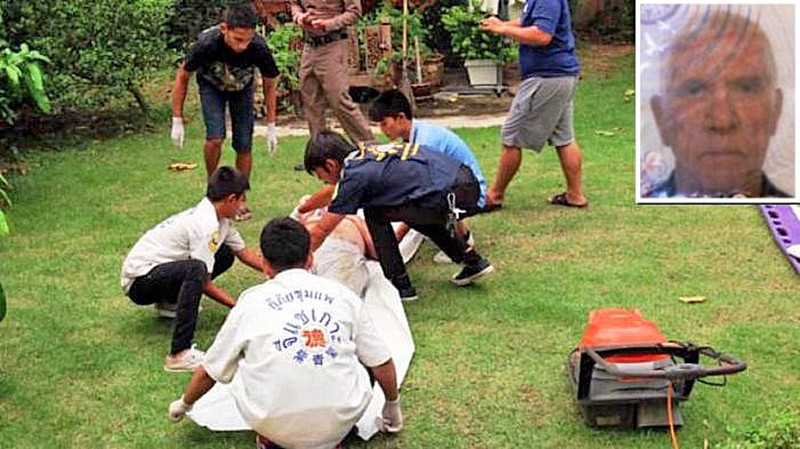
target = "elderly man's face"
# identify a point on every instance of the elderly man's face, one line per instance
(720, 110)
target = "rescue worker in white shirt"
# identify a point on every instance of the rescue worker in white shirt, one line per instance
(298, 345)
(174, 263)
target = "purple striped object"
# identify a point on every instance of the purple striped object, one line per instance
(784, 224)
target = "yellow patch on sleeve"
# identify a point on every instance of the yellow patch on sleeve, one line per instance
(213, 244)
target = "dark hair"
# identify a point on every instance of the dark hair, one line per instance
(326, 145)
(390, 104)
(285, 244)
(240, 15)
(226, 181)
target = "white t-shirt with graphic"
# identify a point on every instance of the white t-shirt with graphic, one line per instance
(294, 344)
(196, 233)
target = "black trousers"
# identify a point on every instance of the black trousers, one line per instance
(429, 216)
(180, 283)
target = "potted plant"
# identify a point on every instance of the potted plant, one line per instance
(484, 53)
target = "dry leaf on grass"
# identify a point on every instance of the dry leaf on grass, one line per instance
(180, 166)
(691, 299)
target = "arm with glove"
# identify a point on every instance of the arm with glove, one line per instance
(386, 376)
(271, 101)
(178, 98)
(199, 385)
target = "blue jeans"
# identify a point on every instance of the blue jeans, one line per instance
(241, 109)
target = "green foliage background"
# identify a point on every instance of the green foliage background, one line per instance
(469, 41)
(102, 50)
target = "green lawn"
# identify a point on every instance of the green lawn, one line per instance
(81, 366)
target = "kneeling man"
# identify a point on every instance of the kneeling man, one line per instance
(299, 344)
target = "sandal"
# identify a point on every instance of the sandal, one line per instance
(561, 200)
(488, 208)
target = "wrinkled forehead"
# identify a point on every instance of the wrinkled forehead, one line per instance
(720, 43)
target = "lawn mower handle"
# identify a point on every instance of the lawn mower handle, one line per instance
(683, 371)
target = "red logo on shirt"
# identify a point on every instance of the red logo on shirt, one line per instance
(315, 338)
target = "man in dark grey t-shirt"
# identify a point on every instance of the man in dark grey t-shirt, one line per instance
(224, 57)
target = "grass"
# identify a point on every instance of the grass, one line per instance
(80, 365)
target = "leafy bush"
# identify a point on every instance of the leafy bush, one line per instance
(101, 49)
(395, 17)
(286, 58)
(416, 28)
(286, 46)
(21, 79)
(438, 37)
(190, 17)
(467, 38)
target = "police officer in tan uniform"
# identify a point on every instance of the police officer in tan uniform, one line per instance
(323, 65)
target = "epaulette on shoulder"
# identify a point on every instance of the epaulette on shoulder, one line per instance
(381, 152)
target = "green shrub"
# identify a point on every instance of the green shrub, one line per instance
(190, 17)
(416, 28)
(438, 38)
(286, 58)
(21, 79)
(467, 38)
(102, 50)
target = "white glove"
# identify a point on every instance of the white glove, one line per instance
(296, 215)
(177, 131)
(392, 416)
(272, 139)
(177, 409)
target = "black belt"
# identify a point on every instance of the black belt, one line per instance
(325, 39)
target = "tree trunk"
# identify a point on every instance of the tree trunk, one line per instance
(140, 99)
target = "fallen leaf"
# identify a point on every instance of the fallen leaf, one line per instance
(691, 299)
(630, 93)
(180, 166)
(604, 133)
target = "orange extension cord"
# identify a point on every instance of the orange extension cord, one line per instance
(670, 419)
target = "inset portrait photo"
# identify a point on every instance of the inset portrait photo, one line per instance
(716, 92)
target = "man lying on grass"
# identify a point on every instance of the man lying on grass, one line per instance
(343, 255)
(174, 263)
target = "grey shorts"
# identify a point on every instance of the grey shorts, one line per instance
(541, 112)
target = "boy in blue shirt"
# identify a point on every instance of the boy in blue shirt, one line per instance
(392, 111)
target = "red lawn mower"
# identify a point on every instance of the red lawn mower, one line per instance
(627, 375)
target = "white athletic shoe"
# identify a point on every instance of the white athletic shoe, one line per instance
(169, 310)
(443, 258)
(187, 362)
(165, 310)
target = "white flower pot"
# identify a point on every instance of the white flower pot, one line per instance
(483, 72)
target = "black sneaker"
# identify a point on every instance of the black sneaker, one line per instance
(408, 293)
(472, 272)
